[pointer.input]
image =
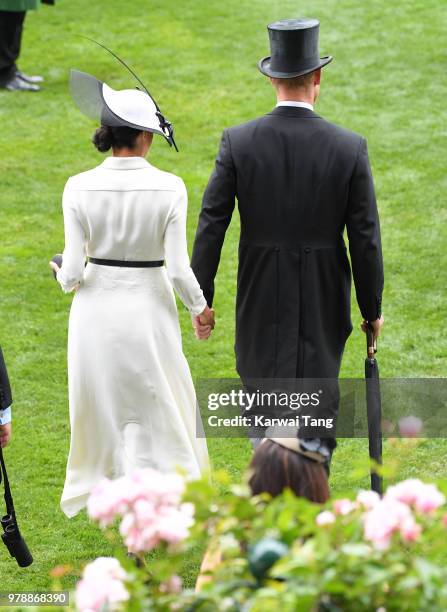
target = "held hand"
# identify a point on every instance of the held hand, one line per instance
(203, 323)
(376, 325)
(5, 434)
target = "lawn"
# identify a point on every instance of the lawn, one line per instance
(199, 59)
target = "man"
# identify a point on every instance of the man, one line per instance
(12, 17)
(5, 404)
(299, 181)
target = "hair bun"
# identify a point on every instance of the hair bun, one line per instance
(103, 138)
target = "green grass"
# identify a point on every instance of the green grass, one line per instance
(199, 59)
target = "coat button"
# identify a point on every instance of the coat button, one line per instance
(277, 249)
(307, 250)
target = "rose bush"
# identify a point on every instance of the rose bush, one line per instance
(365, 553)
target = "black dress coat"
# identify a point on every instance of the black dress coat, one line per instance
(299, 182)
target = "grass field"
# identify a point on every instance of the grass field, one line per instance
(387, 82)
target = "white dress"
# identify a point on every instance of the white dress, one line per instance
(132, 400)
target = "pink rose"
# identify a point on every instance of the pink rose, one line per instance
(410, 530)
(383, 520)
(368, 499)
(406, 491)
(344, 506)
(102, 585)
(149, 503)
(429, 499)
(424, 497)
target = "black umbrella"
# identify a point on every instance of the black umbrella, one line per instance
(373, 409)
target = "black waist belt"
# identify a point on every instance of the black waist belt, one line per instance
(126, 264)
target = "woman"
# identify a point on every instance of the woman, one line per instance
(279, 464)
(132, 400)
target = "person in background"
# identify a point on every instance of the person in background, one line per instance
(5, 403)
(278, 464)
(12, 17)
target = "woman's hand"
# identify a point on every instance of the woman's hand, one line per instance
(5, 434)
(54, 267)
(204, 323)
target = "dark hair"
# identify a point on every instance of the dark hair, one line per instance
(118, 137)
(274, 468)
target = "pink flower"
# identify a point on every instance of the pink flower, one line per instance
(406, 491)
(103, 501)
(424, 497)
(101, 586)
(144, 529)
(150, 506)
(344, 506)
(368, 499)
(325, 518)
(410, 427)
(383, 520)
(173, 525)
(429, 499)
(409, 529)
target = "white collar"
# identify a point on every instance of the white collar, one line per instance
(125, 163)
(295, 103)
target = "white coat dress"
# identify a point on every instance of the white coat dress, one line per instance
(131, 397)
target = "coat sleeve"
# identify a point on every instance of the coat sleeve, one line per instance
(5, 387)
(215, 216)
(73, 262)
(176, 254)
(363, 229)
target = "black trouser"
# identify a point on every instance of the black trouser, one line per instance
(11, 27)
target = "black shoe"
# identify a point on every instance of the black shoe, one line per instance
(16, 84)
(28, 78)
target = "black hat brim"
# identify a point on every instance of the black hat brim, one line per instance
(264, 67)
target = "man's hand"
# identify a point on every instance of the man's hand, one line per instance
(204, 323)
(5, 434)
(376, 325)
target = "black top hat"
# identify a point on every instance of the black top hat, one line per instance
(294, 49)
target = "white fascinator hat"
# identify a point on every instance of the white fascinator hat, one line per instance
(134, 108)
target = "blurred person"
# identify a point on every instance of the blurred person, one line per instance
(279, 464)
(5, 403)
(12, 18)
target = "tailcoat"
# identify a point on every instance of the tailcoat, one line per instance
(299, 181)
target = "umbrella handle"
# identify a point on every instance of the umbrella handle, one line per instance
(371, 343)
